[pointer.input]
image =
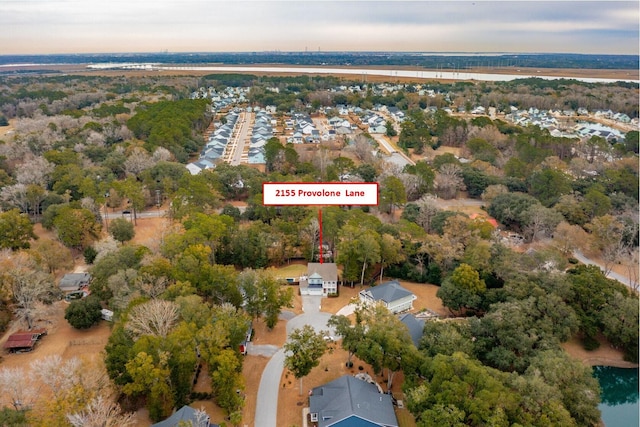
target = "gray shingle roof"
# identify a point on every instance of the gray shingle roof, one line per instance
(415, 326)
(186, 414)
(74, 281)
(388, 292)
(348, 397)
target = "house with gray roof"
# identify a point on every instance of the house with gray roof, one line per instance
(414, 325)
(186, 416)
(74, 281)
(256, 158)
(321, 279)
(197, 167)
(393, 296)
(349, 401)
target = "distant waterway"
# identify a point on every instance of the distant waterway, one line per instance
(619, 396)
(362, 72)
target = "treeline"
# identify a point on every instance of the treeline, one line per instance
(65, 170)
(174, 125)
(559, 60)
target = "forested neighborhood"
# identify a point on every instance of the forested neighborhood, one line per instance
(550, 167)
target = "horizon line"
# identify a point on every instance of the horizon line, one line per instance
(310, 53)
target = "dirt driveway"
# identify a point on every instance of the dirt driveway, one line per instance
(61, 339)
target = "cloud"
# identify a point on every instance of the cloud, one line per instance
(41, 26)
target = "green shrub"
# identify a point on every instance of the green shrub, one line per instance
(590, 343)
(84, 313)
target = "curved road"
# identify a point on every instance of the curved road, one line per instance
(631, 284)
(267, 402)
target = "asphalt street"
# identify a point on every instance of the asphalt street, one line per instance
(631, 284)
(267, 404)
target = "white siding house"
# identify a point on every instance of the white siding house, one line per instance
(393, 296)
(321, 279)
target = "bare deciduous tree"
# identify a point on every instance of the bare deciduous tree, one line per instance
(321, 159)
(115, 133)
(155, 317)
(55, 373)
(96, 139)
(52, 255)
(428, 209)
(151, 286)
(363, 147)
(100, 412)
(36, 170)
(161, 154)
(15, 387)
(412, 185)
(567, 237)
(105, 247)
(609, 237)
(631, 261)
(138, 161)
(449, 181)
(492, 191)
(15, 196)
(29, 286)
(540, 222)
(122, 284)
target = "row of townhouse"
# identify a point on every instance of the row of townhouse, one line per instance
(533, 116)
(302, 129)
(224, 99)
(375, 122)
(216, 145)
(262, 132)
(588, 130)
(548, 120)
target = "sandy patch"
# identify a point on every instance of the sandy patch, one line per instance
(8, 130)
(150, 231)
(605, 355)
(332, 365)
(62, 339)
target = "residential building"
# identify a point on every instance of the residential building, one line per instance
(349, 401)
(393, 296)
(74, 281)
(186, 416)
(321, 279)
(414, 325)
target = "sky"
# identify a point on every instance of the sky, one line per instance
(110, 26)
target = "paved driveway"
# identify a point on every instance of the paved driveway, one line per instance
(267, 404)
(630, 283)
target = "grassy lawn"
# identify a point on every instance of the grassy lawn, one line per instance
(292, 270)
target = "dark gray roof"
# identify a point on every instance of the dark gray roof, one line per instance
(348, 397)
(388, 292)
(74, 281)
(184, 414)
(415, 326)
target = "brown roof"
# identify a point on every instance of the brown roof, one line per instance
(327, 270)
(24, 339)
(20, 340)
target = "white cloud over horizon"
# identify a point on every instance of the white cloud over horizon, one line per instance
(94, 26)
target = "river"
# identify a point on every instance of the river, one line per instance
(360, 72)
(619, 396)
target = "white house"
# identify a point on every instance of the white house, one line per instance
(379, 129)
(396, 298)
(321, 279)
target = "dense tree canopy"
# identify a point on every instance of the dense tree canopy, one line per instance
(84, 144)
(16, 230)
